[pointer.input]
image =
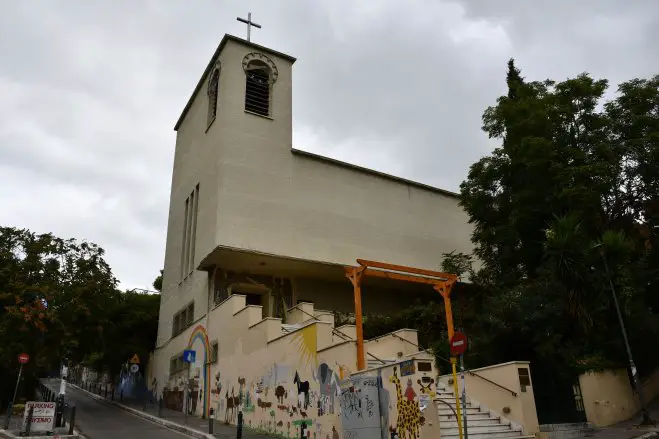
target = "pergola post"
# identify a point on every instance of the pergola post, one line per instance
(355, 275)
(444, 289)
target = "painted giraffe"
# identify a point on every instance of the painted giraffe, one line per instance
(408, 412)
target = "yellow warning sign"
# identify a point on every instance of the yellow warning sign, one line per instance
(135, 360)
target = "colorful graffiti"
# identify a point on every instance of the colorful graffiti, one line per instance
(199, 333)
(329, 388)
(407, 424)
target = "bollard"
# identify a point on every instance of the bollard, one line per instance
(65, 414)
(211, 420)
(10, 410)
(72, 419)
(239, 430)
(58, 411)
(160, 407)
(28, 423)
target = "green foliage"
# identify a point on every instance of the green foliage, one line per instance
(59, 300)
(157, 284)
(574, 184)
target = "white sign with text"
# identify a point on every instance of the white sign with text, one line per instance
(43, 415)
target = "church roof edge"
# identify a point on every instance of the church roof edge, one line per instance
(374, 172)
(224, 41)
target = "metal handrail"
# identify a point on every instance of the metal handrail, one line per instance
(449, 406)
(466, 370)
(492, 382)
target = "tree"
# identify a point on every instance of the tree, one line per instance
(53, 293)
(59, 300)
(570, 174)
(157, 284)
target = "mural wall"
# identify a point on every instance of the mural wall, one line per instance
(289, 383)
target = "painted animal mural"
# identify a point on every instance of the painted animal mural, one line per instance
(302, 389)
(409, 414)
(329, 388)
(232, 405)
(280, 394)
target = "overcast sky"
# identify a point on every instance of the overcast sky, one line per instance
(90, 92)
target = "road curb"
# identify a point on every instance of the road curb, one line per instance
(165, 423)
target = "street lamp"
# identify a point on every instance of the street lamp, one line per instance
(644, 410)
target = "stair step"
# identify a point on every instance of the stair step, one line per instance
(444, 410)
(491, 435)
(448, 416)
(471, 421)
(475, 429)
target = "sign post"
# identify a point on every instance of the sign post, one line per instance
(189, 356)
(458, 347)
(22, 359)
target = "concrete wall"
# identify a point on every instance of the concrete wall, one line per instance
(608, 396)
(256, 194)
(519, 408)
(258, 362)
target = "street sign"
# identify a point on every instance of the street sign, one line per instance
(134, 368)
(458, 344)
(135, 360)
(189, 356)
(23, 358)
(43, 416)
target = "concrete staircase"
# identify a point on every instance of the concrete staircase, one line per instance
(481, 423)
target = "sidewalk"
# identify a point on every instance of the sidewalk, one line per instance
(194, 426)
(630, 429)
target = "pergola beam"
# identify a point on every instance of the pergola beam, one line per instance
(441, 282)
(405, 269)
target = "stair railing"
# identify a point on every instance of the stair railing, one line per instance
(512, 392)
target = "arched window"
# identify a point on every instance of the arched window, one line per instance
(213, 85)
(257, 88)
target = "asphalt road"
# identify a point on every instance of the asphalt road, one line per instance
(99, 420)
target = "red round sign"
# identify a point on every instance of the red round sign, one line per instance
(23, 358)
(458, 343)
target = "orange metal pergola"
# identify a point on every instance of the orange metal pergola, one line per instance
(441, 282)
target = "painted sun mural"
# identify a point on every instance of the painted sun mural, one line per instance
(307, 345)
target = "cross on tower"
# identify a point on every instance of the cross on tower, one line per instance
(249, 23)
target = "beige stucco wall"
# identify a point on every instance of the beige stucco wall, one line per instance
(255, 194)
(608, 396)
(522, 409)
(259, 360)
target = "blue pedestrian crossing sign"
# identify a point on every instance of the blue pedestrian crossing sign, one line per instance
(189, 356)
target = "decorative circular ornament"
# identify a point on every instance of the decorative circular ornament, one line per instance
(256, 56)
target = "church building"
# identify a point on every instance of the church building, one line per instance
(258, 237)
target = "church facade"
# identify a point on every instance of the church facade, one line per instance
(258, 237)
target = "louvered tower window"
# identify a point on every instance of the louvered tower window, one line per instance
(257, 89)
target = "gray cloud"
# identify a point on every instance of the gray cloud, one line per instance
(90, 91)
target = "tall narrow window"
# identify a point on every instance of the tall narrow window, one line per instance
(189, 233)
(213, 86)
(257, 88)
(193, 228)
(184, 240)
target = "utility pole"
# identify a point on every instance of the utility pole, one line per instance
(646, 420)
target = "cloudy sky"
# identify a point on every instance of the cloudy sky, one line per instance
(90, 91)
